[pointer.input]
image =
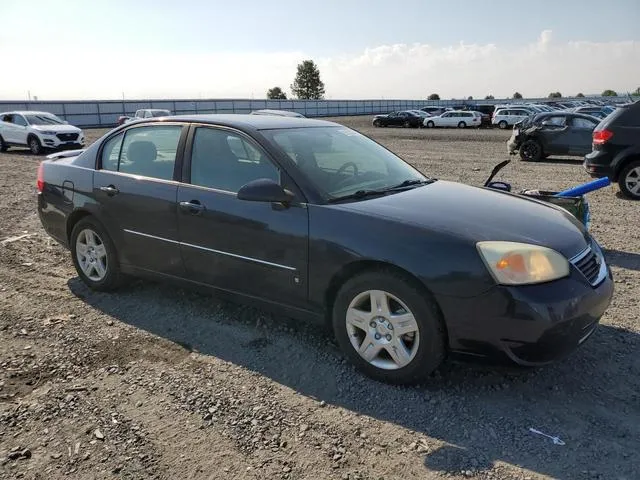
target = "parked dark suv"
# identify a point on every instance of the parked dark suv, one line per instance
(616, 149)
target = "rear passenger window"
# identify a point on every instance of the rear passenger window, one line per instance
(226, 161)
(147, 151)
(583, 123)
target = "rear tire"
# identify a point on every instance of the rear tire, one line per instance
(34, 145)
(3, 146)
(404, 342)
(462, 125)
(103, 277)
(629, 180)
(407, 124)
(531, 151)
(502, 124)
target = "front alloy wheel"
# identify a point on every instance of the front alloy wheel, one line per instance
(34, 146)
(388, 326)
(382, 330)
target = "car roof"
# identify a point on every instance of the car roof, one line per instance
(238, 120)
(566, 114)
(26, 112)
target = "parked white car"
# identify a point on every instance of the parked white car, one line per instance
(455, 118)
(508, 117)
(37, 131)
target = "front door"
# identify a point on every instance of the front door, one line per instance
(556, 134)
(257, 249)
(137, 193)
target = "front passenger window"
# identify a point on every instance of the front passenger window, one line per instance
(224, 160)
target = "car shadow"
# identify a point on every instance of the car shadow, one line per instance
(628, 260)
(479, 415)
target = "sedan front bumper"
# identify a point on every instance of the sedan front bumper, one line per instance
(530, 325)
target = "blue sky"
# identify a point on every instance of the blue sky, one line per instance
(346, 37)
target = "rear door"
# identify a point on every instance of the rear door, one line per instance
(254, 248)
(8, 128)
(581, 135)
(136, 189)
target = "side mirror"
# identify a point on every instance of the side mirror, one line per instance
(264, 190)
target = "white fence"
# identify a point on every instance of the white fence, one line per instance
(105, 113)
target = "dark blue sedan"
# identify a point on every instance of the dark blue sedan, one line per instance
(314, 220)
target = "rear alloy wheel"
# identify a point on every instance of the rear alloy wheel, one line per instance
(94, 255)
(629, 180)
(531, 151)
(3, 146)
(407, 124)
(430, 124)
(462, 125)
(388, 328)
(34, 145)
(502, 124)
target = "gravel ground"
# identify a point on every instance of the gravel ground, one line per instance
(158, 382)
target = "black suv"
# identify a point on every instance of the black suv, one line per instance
(616, 149)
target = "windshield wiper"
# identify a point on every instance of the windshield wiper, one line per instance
(410, 183)
(383, 191)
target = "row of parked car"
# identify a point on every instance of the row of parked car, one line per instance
(501, 116)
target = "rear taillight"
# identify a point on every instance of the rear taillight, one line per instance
(600, 137)
(40, 180)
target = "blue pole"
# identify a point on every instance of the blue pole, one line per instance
(585, 188)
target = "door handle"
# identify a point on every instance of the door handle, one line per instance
(194, 207)
(109, 190)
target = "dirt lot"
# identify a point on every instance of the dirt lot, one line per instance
(157, 382)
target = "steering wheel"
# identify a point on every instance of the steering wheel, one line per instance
(342, 169)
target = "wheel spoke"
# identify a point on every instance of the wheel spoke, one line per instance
(369, 349)
(99, 268)
(358, 318)
(91, 239)
(403, 324)
(398, 353)
(380, 303)
(101, 251)
(82, 249)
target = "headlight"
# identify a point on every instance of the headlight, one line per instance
(48, 133)
(513, 263)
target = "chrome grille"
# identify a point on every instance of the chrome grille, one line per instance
(589, 264)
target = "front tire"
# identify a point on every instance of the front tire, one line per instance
(376, 123)
(629, 180)
(531, 151)
(388, 328)
(94, 255)
(34, 145)
(430, 124)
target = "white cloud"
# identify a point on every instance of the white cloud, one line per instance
(390, 71)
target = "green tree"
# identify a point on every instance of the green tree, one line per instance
(517, 95)
(489, 97)
(555, 95)
(580, 95)
(307, 84)
(637, 92)
(609, 93)
(276, 93)
(434, 96)
(469, 97)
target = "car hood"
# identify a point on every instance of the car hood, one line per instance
(57, 128)
(478, 214)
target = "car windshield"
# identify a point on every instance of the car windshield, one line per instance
(42, 119)
(340, 161)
